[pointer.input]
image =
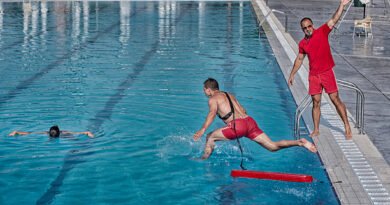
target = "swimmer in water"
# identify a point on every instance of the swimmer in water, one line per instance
(53, 132)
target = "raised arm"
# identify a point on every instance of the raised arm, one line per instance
(297, 64)
(336, 16)
(213, 108)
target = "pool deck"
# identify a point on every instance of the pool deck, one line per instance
(357, 169)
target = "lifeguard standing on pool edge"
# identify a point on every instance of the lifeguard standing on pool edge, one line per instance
(316, 46)
(238, 123)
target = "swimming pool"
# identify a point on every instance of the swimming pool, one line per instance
(132, 73)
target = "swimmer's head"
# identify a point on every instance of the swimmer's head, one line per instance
(307, 26)
(54, 131)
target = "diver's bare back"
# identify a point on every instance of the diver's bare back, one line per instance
(224, 107)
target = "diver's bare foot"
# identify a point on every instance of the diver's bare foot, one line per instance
(308, 145)
(315, 133)
(348, 133)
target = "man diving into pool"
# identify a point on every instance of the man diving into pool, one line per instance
(238, 123)
(54, 132)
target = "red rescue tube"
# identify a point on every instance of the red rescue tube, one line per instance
(272, 176)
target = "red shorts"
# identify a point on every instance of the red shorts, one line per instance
(244, 127)
(325, 80)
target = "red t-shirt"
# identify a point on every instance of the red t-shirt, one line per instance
(317, 49)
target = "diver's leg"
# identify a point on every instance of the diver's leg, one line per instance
(272, 146)
(211, 138)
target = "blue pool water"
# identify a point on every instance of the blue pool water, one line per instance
(132, 73)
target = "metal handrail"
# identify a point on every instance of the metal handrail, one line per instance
(360, 100)
(298, 113)
(277, 11)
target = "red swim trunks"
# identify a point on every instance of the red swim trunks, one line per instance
(325, 80)
(244, 127)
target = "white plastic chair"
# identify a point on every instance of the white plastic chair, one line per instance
(365, 24)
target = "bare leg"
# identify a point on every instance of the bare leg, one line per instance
(211, 138)
(267, 143)
(316, 112)
(340, 107)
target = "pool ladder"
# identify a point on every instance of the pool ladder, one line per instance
(359, 119)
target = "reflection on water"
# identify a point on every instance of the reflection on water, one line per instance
(43, 21)
(26, 19)
(60, 10)
(97, 16)
(85, 19)
(201, 20)
(80, 10)
(76, 13)
(241, 29)
(1, 21)
(34, 22)
(1, 16)
(166, 26)
(125, 22)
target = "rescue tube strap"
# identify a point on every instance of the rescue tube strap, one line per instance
(234, 128)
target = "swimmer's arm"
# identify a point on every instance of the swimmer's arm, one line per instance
(213, 108)
(14, 133)
(89, 134)
(18, 133)
(336, 16)
(297, 64)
